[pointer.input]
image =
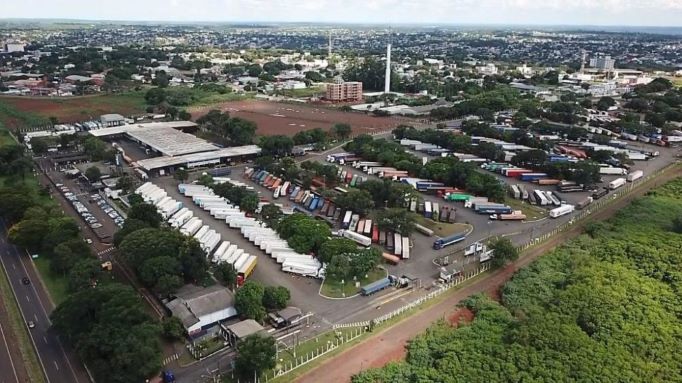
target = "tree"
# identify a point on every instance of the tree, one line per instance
(339, 267)
(271, 214)
(39, 145)
(304, 234)
(226, 274)
(29, 234)
(172, 328)
(605, 103)
(93, 174)
(255, 354)
(134, 199)
(181, 175)
(249, 301)
(146, 213)
(336, 246)
(95, 148)
(277, 145)
(504, 252)
(124, 183)
(396, 219)
(341, 131)
(110, 329)
(67, 254)
(359, 201)
(184, 115)
(276, 297)
(54, 120)
(677, 224)
(155, 96)
(14, 202)
(249, 203)
(84, 274)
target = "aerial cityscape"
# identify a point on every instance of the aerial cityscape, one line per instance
(366, 192)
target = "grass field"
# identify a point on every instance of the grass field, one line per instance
(333, 288)
(442, 229)
(56, 284)
(532, 212)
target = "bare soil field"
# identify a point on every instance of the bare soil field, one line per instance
(288, 119)
(16, 111)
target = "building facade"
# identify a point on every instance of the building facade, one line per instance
(344, 91)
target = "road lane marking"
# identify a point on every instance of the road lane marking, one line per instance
(55, 365)
(36, 316)
(44, 339)
(14, 266)
(28, 299)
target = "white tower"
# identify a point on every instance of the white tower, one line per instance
(329, 54)
(387, 87)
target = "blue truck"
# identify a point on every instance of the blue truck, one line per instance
(493, 209)
(220, 172)
(376, 286)
(530, 177)
(426, 185)
(447, 241)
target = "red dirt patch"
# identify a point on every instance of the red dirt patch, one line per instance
(461, 316)
(280, 118)
(75, 109)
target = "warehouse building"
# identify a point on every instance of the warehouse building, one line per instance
(200, 308)
(174, 147)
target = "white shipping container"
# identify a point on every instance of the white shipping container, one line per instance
(615, 184)
(634, 176)
(561, 210)
(406, 248)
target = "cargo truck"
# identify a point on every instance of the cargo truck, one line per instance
(424, 230)
(612, 171)
(583, 203)
(516, 215)
(390, 258)
(634, 176)
(450, 240)
(561, 210)
(406, 248)
(397, 244)
(355, 237)
(493, 209)
(376, 286)
(615, 184)
(600, 193)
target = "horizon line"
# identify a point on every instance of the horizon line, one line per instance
(425, 24)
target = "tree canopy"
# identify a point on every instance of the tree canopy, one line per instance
(603, 307)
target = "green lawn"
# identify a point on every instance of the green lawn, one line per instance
(333, 288)
(56, 285)
(442, 229)
(532, 212)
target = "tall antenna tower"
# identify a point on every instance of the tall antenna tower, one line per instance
(387, 86)
(329, 53)
(582, 63)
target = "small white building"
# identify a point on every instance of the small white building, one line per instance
(199, 308)
(111, 120)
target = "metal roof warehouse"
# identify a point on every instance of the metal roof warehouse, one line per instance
(176, 147)
(199, 159)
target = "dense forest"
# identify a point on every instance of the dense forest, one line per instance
(605, 307)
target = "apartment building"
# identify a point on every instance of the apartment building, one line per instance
(344, 91)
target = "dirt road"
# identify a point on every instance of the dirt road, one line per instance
(389, 344)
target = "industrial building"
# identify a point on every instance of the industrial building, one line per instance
(344, 91)
(110, 120)
(199, 308)
(174, 147)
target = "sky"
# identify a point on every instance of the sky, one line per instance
(539, 12)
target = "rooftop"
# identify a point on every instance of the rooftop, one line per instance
(198, 158)
(245, 328)
(132, 127)
(111, 117)
(193, 302)
(169, 141)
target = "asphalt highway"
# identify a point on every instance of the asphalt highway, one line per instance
(59, 364)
